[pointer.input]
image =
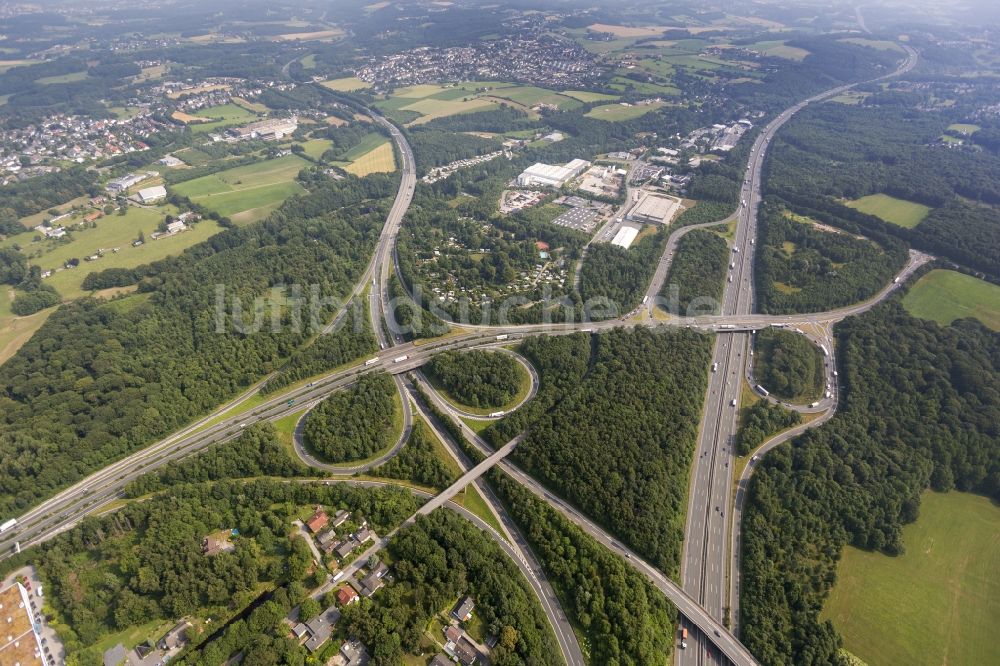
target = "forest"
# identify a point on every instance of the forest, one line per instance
(101, 379)
(788, 365)
(800, 268)
(698, 273)
(434, 147)
(40, 193)
(892, 150)
(145, 561)
(615, 433)
(418, 461)
(920, 409)
(349, 340)
(354, 423)
(477, 378)
(760, 421)
(438, 559)
(256, 452)
(624, 619)
(613, 280)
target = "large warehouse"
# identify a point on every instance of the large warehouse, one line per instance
(654, 209)
(625, 236)
(550, 175)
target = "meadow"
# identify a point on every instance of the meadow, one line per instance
(944, 296)
(937, 603)
(895, 211)
(617, 112)
(246, 193)
(222, 116)
(378, 158)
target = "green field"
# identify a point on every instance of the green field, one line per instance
(63, 78)
(939, 602)
(247, 193)
(316, 147)
(532, 95)
(617, 112)
(587, 97)
(224, 116)
(965, 128)
(944, 296)
(896, 211)
(346, 84)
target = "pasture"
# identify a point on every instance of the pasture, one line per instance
(378, 159)
(222, 116)
(944, 296)
(780, 49)
(618, 112)
(587, 97)
(346, 84)
(938, 603)
(246, 193)
(895, 211)
(964, 128)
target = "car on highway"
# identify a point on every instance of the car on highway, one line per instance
(732, 403)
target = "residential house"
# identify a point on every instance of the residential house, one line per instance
(318, 629)
(354, 653)
(346, 595)
(458, 646)
(341, 517)
(345, 548)
(463, 610)
(318, 521)
(176, 638)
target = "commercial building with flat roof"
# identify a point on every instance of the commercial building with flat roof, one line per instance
(625, 237)
(19, 643)
(551, 175)
(654, 209)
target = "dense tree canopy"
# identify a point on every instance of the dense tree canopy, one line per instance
(477, 378)
(438, 559)
(101, 379)
(419, 461)
(920, 409)
(788, 365)
(697, 273)
(624, 618)
(354, 423)
(801, 268)
(614, 433)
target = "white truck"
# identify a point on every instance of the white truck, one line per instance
(8, 524)
(400, 359)
(496, 415)
(371, 361)
(502, 337)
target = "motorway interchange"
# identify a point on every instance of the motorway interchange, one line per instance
(708, 597)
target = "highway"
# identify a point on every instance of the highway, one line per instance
(708, 538)
(711, 479)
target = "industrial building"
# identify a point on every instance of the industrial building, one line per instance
(268, 130)
(654, 209)
(150, 195)
(550, 175)
(625, 237)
